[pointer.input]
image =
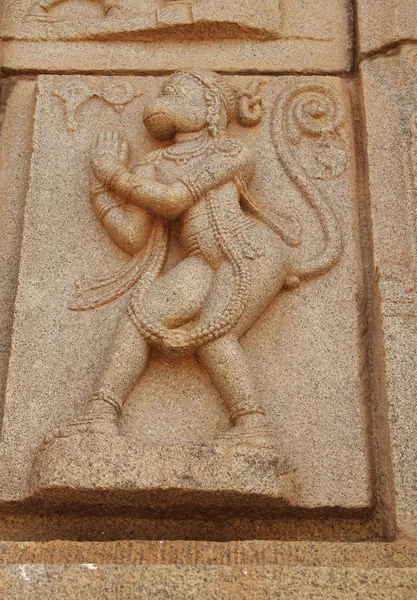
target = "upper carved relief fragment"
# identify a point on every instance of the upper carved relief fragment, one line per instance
(75, 93)
(165, 20)
(187, 18)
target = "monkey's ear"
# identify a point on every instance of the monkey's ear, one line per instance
(249, 105)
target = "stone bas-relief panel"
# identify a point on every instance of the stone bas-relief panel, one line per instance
(235, 35)
(187, 320)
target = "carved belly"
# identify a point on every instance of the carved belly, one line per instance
(199, 237)
(200, 234)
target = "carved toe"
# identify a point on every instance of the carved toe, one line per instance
(84, 427)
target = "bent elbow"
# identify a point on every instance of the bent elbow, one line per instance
(177, 200)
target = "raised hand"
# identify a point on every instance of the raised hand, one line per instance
(109, 152)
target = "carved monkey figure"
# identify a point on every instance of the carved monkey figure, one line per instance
(236, 258)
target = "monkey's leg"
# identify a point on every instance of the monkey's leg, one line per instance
(173, 300)
(225, 359)
(126, 362)
(127, 359)
(229, 370)
(227, 365)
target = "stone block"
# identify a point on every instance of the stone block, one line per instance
(126, 36)
(385, 24)
(389, 86)
(305, 352)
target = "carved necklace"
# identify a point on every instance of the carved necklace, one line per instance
(183, 156)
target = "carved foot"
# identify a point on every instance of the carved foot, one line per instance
(100, 418)
(261, 437)
(250, 430)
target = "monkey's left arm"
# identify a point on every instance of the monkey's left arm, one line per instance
(170, 201)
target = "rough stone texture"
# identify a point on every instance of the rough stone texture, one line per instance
(16, 120)
(385, 23)
(400, 554)
(206, 481)
(195, 582)
(389, 87)
(298, 36)
(227, 570)
(314, 393)
(304, 35)
(329, 525)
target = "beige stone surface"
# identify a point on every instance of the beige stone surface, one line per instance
(365, 555)
(16, 125)
(334, 360)
(175, 481)
(195, 582)
(295, 35)
(385, 23)
(389, 87)
(305, 352)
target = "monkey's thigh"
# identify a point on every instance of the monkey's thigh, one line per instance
(177, 296)
(267, 275)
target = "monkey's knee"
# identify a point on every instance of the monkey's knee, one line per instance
(220, 349)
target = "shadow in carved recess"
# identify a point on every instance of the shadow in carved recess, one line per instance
(237, 258)
(209, 18)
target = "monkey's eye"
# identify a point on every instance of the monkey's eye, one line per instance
(172, 89)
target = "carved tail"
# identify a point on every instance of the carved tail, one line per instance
(313, 110)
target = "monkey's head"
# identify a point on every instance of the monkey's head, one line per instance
(190, 101)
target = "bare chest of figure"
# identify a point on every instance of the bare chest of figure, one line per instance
(218, 210)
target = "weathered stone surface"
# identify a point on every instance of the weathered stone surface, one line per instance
(16, 127)
(332, 456)
(385, 23)
(175, 480)
(295, 35)
(315, 331)
(389, 87)
(370, 555)
(178, 582)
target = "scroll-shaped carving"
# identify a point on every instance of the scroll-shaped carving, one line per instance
(236, 256)
(315, 112)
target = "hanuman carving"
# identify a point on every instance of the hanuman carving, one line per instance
(236, 257)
